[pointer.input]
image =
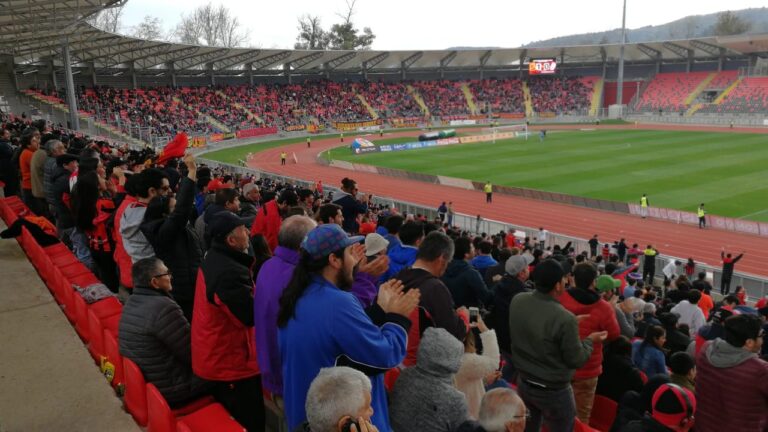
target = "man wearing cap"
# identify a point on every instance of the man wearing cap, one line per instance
(66, 164)
(511, 284)
(732, 381)
(547, 348)
(270, 216)
(585, 300)
(222, 327)
(673, 409)
(320, 324)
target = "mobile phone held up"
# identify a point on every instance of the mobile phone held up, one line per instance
(347, 426)
(473, 314)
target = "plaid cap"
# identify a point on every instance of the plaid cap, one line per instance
(326, 239)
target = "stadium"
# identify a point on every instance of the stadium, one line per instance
(537, 151)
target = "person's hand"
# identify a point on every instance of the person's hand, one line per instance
(387, 291)
(497, 278)
(395, 301)
(598, 336)
(365, 426)
(189, 161)
(492, 377)
(357, 253)
(375, 267)
(481, 324)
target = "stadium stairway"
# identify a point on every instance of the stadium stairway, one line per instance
(527, 98)
(699, 88)
(419, 100)
(243, 108)
(597, 97)
(727, 91)
(371, 111)
(212, 121)
(694, 108)
(469, 97)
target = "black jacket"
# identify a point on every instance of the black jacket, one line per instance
(647, 424)
(350, 208)
(677, 341)
(435, 299)
(466, 285)
(154, 334)
(60, 186)
(9, 172)
(506, 290)
(619, 376)
(175, 242)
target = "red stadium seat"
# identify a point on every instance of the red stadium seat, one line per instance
(112, 354)
(96, 334)
(208, 418)
(603, 413)
(135, 398)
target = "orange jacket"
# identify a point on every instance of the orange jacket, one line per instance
(25, 163)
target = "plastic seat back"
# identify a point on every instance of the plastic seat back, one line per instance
(135, 399)
(161, 419)
(603, 413)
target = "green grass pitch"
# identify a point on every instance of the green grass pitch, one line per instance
(728, 172)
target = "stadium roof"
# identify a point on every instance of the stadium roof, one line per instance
(34, 30)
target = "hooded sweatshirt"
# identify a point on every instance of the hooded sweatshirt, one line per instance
(731, 389)
(135, 243)
(466, 284)
(400, 257)
(602, 317)
(424, 398)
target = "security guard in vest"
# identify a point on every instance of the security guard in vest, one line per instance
(644, 206)
(702, 216)
(488, 189)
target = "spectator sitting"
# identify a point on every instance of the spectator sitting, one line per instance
(683, 370)
(673, 410)
(649, 318)
(584, 300)
(424, 398)
(476, 369)
(501, 410)
(633, 405)
(338, 398)
(495, 273)
(392, 225)
(715, 329)
(619, 375)
(689, 312)
(154, 334)
(648, 355)
(483, 260)
(732, 381)
(463, 281)
(677, 340)
(403, 255)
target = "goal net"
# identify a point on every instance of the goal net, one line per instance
(507, 131)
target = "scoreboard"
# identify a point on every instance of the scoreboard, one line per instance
(542, 67)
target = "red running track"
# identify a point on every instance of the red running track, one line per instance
(669, 238)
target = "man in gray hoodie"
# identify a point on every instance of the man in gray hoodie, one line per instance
(424, 398)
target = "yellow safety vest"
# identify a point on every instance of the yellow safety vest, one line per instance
(649, 252)
(488, 188)
(643, 202)
(701, 212)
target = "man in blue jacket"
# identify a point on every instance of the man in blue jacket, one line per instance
(403, 254)
(322, 325)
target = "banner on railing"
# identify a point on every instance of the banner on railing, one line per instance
(294, 128)
(197, 141)
(462, 122)
(511, 115)
(254, 132)
(350, 126)
(313, 128)
(375, 128)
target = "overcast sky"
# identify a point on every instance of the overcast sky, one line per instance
(432, 24)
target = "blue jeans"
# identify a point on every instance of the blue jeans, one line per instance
(556, 408)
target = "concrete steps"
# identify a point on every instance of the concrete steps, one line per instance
(243, 108)
(597, 97)
(212, 121)
(368, 107)
(699, 88)
(527, 100)
(470, 98)
(419, 100)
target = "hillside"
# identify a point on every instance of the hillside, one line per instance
(693, 26)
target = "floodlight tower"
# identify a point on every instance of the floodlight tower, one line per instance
(620, 87)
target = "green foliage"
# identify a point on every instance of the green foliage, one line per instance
(730, 24)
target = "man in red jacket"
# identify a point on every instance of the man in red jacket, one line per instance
(732, 381)
(594, 315)
(223, 346)
(270, 216)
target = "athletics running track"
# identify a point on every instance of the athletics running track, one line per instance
(669, 238)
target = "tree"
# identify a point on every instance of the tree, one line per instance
(729, 23)
(212, 26)
(311, 34)
(110, 19)
(151, 29)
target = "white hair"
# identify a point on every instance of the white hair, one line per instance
(499, 407)
(335, 392)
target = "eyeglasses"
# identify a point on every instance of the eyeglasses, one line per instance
(527, 415)
(164, 274)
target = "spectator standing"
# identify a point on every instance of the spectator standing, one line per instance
(424, 397)
(649, 264)
(351, 207)
(593, 244)
(511, 284)
(66, 164)
(463, 281)
(222, 328)
(476, 368)
(599, 316)
(30, 143)
(442, 210)
(648, 355)
(546, 349)
(483, 259)
(732, 381)
(702, 215)
(690, 313)
(621, 250)
(9, 172)
(271, 214)
(403, 254)
(322, 325)
(152, 183)
(249, 202)
(728, 263)
(450, 213)
(154, 334)
(543, 234)
(644, 206)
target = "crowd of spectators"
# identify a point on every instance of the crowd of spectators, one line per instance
(443, 98)
(498, 96)
(560, 95)
(232, 289)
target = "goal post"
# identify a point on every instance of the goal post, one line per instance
(518, 130)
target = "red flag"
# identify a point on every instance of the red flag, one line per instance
(174, 149)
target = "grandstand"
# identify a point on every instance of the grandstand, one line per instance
(138, 92)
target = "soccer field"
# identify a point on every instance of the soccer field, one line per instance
(727, 171)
